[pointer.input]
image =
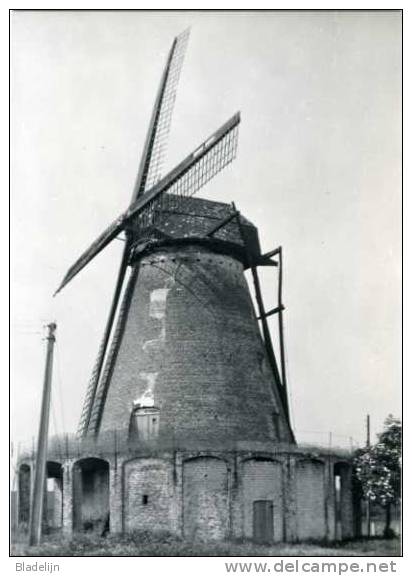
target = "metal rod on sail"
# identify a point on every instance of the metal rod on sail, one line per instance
(41, 456)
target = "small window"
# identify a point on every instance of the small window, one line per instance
(145, 499)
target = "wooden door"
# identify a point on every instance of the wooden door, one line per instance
(263, 520)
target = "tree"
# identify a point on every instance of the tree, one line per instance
(378, 468)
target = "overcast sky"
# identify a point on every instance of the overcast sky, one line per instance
(318, 171)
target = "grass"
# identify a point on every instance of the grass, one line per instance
(144, 544)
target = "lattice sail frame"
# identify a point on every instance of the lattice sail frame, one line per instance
(204, 166)
(164, 118)
(90, 422)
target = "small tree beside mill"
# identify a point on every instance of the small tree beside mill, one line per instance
(378, 469)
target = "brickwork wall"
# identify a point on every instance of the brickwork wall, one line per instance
(290, 499)
(149, 499)
(24, 499)
(116, 497)
(198, 356)
(210, 494)
(205, 499)
(262, 480)
(57, 495)
(68, 519)
(310, 500)
(330, 501)
(14, 512)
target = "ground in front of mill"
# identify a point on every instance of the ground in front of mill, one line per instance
(141, 544)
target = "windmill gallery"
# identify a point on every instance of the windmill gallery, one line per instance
(185, 424)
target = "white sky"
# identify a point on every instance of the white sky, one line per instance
(318, 171)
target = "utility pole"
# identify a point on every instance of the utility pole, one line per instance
(368, 504)
(41, 456)
(368, 431)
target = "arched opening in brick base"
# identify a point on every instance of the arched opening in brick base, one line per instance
(262, 500)
(310, 500)
(24, 496)
(91, 495)
(53, 498)
(344, 518)
(205, 499)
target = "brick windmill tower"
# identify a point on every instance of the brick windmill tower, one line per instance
(182, 355)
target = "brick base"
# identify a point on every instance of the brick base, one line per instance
(211, 494)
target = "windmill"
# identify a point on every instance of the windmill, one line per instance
(179, 238)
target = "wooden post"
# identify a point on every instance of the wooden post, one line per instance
(280, 317)
(368, 503)
(281, 337)
(262, 314)
(41, 456)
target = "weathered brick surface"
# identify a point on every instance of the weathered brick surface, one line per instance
(330, 501)
(209, 494)
(67, 496)
(24, 492)
(149, 495)
(203, 360)
(116, 498)
(205, 499)
(262, 480)
(57, 508)
(310, 500)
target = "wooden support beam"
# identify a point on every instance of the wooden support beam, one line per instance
(272, 311)
(281, 336)
(272, 253)
(221, 224)
(262, 313)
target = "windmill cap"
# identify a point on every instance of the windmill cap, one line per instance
(191, 220)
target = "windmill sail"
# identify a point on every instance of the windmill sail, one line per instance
(149, 172)
(155, 147)
(185, 180)
(95, 377)
(96, 407)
